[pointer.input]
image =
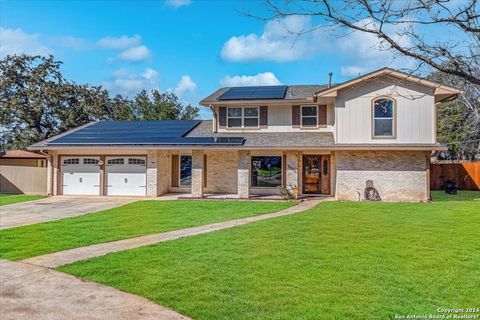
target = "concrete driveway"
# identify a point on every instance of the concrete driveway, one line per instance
(54, 208)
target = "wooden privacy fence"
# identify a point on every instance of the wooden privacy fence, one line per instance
(465, 174)
(23, 179)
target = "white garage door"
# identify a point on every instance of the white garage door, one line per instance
(81, 175)
(126, 176)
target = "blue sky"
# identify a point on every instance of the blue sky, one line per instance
(189, 47)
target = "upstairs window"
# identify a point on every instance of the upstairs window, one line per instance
(242, 117)
(383, 118)
(309, 117)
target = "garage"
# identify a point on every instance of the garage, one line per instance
(126, 176)
(81, 175)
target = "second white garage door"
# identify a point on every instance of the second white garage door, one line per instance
(126, 176)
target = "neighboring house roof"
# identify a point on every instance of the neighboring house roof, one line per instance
(21, 154)
(442, 91)
(269, 139)
(135, 133)
(293, 92)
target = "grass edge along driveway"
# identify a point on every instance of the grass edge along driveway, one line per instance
(131, 220)
(6, 199)
(340, 260)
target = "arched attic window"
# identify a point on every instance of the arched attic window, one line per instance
(383, 118)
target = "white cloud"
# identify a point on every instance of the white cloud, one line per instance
(122, 42)
(178, 3)
(185, 84)
(128, 82)
(16, 41)
(135, 54)
(260, 79)
(71, 42)
(364, 52)
(280, 41)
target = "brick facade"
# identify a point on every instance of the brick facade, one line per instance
(397, 175)
(221, 172)
(197, 173)
(243, 174)
(152, 173)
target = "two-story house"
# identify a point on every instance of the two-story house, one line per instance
(378, 130)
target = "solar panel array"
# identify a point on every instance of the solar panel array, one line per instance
(164, 132)
(254, 93)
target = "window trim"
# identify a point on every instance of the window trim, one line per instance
(394, 118)
(315, 116)
(243, 117)
(251, 171)
(180, 185)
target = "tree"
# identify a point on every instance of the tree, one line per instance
(454, 50)
(162, 106)
(459, 120)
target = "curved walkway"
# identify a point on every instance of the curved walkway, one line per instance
(57, 259)
(33, 292)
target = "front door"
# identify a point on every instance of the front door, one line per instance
(316, 174)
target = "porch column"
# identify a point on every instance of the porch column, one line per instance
(291, 173)
(197, 173)
(151, 173)
(243, 174)
(56, 174)
(49, 175)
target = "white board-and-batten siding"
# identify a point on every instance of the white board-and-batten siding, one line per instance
(415, 113)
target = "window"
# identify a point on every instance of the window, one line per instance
(71, 161)
(266, 172)
(90, 161)
(242, 117)
(309, 116)
(116, 161)
(136, 161)
(185, 170)
(383, 117)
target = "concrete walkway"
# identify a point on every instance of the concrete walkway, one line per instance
(73, 255)
(55, 208)
(32, 292)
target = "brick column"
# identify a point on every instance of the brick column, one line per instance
(49, 175)
(197, 173)
(243, 172)
(291, 173)
(151, 173)
(56, 174)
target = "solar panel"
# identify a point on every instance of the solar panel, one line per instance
(168, 132)
(254, 93)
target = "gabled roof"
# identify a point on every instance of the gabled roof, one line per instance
(20, 154)
(293, 92)
(441, 91)
(134, 133)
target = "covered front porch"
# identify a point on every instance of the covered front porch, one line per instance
(243, 174)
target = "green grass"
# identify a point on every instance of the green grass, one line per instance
(16, 198)
(438, 196)
(340, 260)
(132, 220)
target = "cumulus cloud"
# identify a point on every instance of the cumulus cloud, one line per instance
(260, 79)
(16, 41)
(129, 82)
(178, 3)
(364, 52)
(278, 42)
(185, 85)
(122, 42)
(135, 54)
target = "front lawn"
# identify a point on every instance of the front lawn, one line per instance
(131, 220)
(340, 260)
(16, 198)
